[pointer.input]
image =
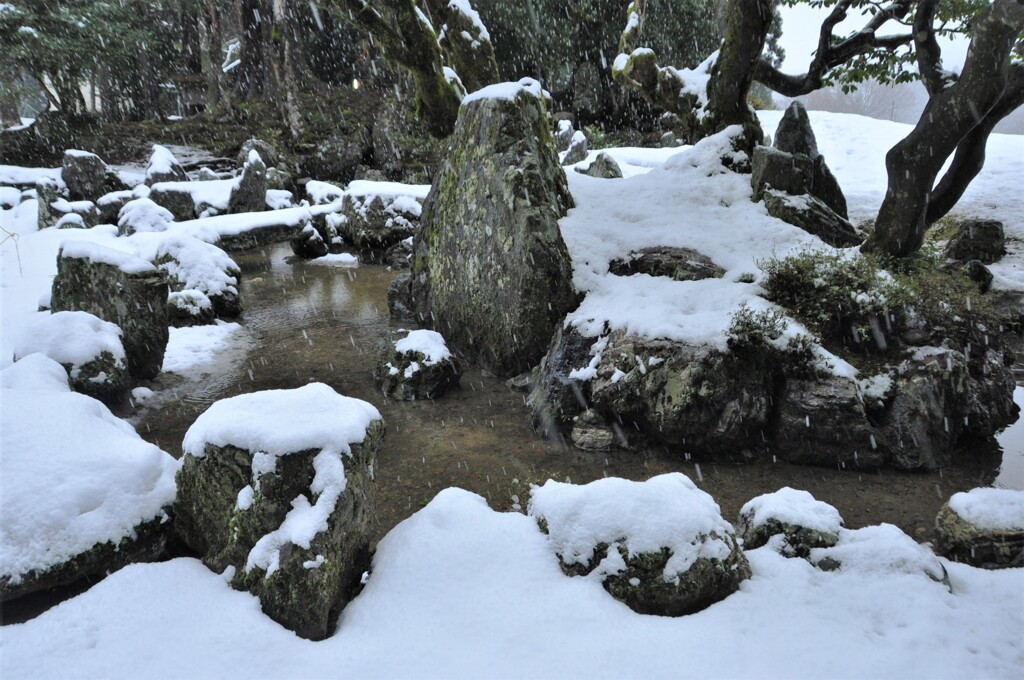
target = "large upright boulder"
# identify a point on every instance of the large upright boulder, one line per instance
(795, 136)
(276, 489)
(120, 288)
(87, 176)
(250, 193)
(490, 269)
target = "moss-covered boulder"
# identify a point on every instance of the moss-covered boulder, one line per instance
(679, 264)
(660, 546)
(490, 269)
(803, 522)
(120, 288)
(983, 528)
(603, 167)
(249, 194)
(375, 216)
(416, 365)
(277, 488)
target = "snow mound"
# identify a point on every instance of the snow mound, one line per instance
(793, 507)
(161, 162)
(74, 338)
(279, 422)
(667, 511)
(142, 214)
(336, 260)
(35, 372)
(193, 350)
(194, 263)
(94, 252)
(992, 509)
(881, 549)
(323, 192)
(428, 343)
(74, 475)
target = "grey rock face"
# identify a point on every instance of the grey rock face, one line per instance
(310, 585)
(813, 216)
(164, 167)
(250, 195)
(604, 167)
(309, 244)
(556, 397)
(85, 175)
(962, 541)
(577, 150)
(399, 256)
(771, 168)
(680, 264)
(490, 270)
(137, 302)
(47, 192)
(794, 134)
(400, 302)
(338, 158)
(982, 240)
(592, 433)
(266, 151)
(177, 201)
(412, 375)
(822, 422)
(563, 134)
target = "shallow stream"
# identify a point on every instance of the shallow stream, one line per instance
(312, 322)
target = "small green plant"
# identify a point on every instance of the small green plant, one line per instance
(860, 308)
(763, 332)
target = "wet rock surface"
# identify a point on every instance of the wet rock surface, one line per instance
(412, 373)
(490, 269)
(981, 240)
(680, 264)
(813, 216)
(981, 543)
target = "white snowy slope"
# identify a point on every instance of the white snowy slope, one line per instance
(71, 473)
(461, 591)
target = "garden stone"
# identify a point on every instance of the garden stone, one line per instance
(109, 205)
(416, 365)
(256, 459)
(399, 256)
(178, 201)
(822, 422)
(377, 221)
(266, 152)
(490, 269)
(983, 240)
(794, 134)
(591, 432)
(683, 561)
(577, 150)
(983, 528)
(87, 176)
(680, 264)
(563, 135)
(604, 167)
(164, 167)
(250, 194)
(771, 168)
(122, 289)
(813, 216)
(803, 522)
(558, 396)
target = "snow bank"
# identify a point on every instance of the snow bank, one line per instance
(192, 349)
(993, 509)
(74, 338)
(879, 550)
(461, 591)
(35, 372)
(279, 422)
(142, 214)
(13, 174)
(667, 511)
(214, 193)
(73, 474)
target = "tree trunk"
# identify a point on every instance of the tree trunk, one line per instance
(253, 20)
(283, 65)
(947, 122)
(191, 51)
(746, 29)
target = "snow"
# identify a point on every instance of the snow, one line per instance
(88, 250)
(278, 199)
(323, 192)
(191, 348)
(74, 338)
(506, 91)
(162, 161)
(213, 229)
(880, 550)
(994, 509)
(35, 372)
(73, 474)
(279, 422)
(793, 507)
(336, 260)
(193, 263)
(461, 591)
(214, 193)
(667, 511)
(387, 190)
(142, 214)
(428, 343)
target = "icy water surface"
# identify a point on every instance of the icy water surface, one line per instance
(311, 322)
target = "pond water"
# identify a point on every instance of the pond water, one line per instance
(312, 322)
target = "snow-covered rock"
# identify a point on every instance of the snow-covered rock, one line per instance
(377, 215)
(142, 214)
(194, 265)
(163, 167)
(88, 273)
(250, 191)
(277, 487)
(83, 494)
(660, 546)
(87, 177)
(87, 347)
(983, 527)
(878, 550)
(803, 522)
(416, 365)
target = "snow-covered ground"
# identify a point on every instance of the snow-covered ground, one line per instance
(459, 590)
